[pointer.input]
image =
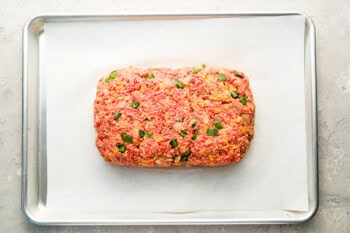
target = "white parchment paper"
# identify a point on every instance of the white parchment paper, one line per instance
(269, 50)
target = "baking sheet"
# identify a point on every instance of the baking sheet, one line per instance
(269, 50)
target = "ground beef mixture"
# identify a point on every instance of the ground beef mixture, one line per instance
(163, 117)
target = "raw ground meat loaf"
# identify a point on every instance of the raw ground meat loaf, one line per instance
(162, 117)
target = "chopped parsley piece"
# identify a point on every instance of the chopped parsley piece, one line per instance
(183, 133)
(217, 125)
(194, 123)
(212, 132)
(149, 76)
(141, 133)
(107, 80)
(173, 143)
(234, 94)
(148, 134)
(121, 148)
(127, 138)
(117, 115)
(112, 75)
(179, 84)
(194, 135)
(135, 104)
(196, 71)
(238, 74)
(221, 77)
(243, 100)
(184, 156)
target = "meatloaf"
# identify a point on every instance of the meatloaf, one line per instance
(163, 117)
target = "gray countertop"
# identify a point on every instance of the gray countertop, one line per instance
(332, 22)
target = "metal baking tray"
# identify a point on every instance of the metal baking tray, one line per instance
(34, 133)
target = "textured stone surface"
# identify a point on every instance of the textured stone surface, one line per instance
(333, 66)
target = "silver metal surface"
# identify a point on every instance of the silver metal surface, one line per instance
(34, 170)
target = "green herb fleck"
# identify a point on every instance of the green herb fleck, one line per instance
(183, 133)
(221, 77)
(127, 138)
(194, 135)
(117, 115)
(135, 104)
(234, 94)
(196, 71)
(243, 100)
(121, 148)
(153, 69)
(141, 133)
(149, 76)
(238, 74)
(173, 143)
(112, 75)
(212, 132)
(179, 84)
(148, 134)
(184, 156)
(217, 124)
(194, 123)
